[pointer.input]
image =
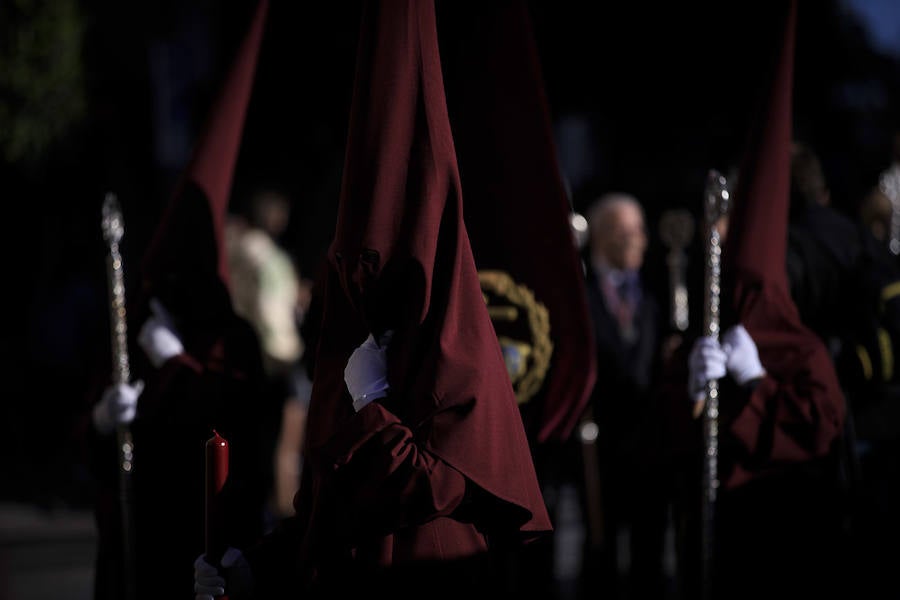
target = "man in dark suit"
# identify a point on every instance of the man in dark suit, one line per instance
(626, 325)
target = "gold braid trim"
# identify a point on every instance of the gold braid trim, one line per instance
(888, 292)
(887, 355)
(503, 285)
(865, 361)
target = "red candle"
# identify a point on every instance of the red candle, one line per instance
(216, 474)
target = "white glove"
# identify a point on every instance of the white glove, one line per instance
(237, 579)
(117, 405)
(706, 362)
(366, 371)
(743, 357)
(158, 336)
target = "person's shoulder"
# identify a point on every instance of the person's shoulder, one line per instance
(837, 226)
(826, 234)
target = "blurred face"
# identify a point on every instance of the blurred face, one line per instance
(620, 236)
(272, 213)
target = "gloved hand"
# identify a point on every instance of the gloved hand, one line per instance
(158, 336)
(743, 357)
(237, 580)
(118, 404)
(366, 371)
(706, 362)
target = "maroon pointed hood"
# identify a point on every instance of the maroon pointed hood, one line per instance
(797, 411)
(754, 258)
(757, 247)
(190, 235)
(517, 214)
(401, 260)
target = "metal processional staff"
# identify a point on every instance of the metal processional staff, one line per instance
(716, 204)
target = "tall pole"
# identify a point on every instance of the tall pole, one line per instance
(113, 230)
(716, 203)
(676, 228)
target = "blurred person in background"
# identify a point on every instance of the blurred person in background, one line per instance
(627, 331)
(268, 291)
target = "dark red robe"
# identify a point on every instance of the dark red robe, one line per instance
(797, 411)
(779, 513)
(213, 384)
(421, 488)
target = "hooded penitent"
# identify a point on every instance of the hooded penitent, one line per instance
(796, 413)
(213, 383)
(517, 215)
(185, 264)
(401, 260)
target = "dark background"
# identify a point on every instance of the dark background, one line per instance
(99, 96)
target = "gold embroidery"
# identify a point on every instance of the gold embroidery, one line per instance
(887, 355)
(889, 292)
(522, 325)
(865, 361)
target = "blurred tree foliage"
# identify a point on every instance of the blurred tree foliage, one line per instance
(42, 90)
